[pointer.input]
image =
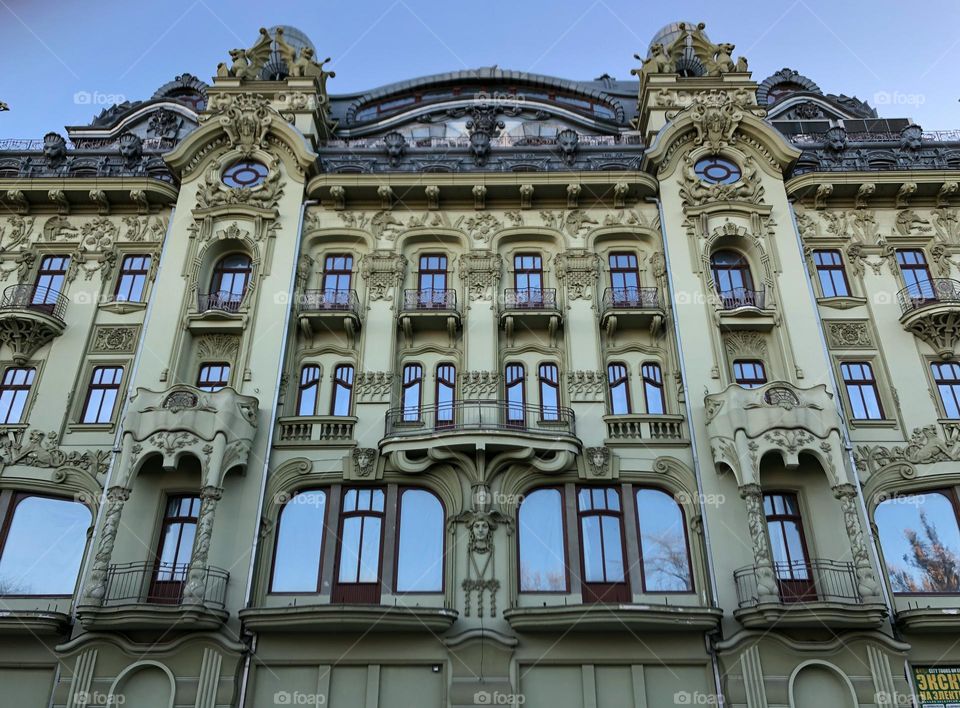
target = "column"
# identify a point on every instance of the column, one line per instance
(96, 590)
(197, 573)
(767, 591)
(867, 584)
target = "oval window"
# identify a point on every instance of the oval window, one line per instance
(245, 174)
(717, 170)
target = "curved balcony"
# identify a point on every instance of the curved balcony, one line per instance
(322, 309)
(218, 312)
(532, 309)
(743, 308)
(221, 301)
(480, 424)
(631, 308)
(147, 595)
(30, 317)
(811, 593)
(930, 310)
(429, 309)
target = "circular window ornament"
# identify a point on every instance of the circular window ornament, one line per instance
(717, 170)
(245, 174)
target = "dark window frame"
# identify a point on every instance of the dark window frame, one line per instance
(740, 266)
(858, 384)
(746, 381)
(564, 540)
(220, 384)
(127, 271)
(221, 272)
(834, 271)
(158, 591)
(342, 383)
(17, 388)
(634, 490)
(323, 540)
(444, 379)
(655, 383)
(93, 385)
(551, 384)
(336, 586)
(330, 270)
(305, 384)
(620, 594)
(623, 380)
(511, 380)
(623, 272)
(952, 384)
(405, 385)
(521, 271)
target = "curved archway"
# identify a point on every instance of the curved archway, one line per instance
(146, 684)
(815, 684)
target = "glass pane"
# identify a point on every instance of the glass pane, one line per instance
(663, 542)
(297, 562)
(619, 402)
(654, 399)
(420, 555)
(378, 500)
(44, 547)
(350, 549)
(612, 549)
(592, 549)
(921, 543)
(341, 400)
(308, 400)
(541, 542)
(370, 550)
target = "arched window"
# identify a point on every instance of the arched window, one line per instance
(601, 542)
(361, 539)
(309, 386)
(653, 388)
(43, 546)
(446, 392)
(342, 390)
(920, 538)
(542, 548)
(548, 377)
(617, 379)
(296, 563)
(734, 283)
(230, 278)
(513, 382)
(412, 383)
(663, 543)
(420, 542)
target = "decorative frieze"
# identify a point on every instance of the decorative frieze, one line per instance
(479, 384)
(373, 386)
(115, 339)
(848, 334)
(480, 271)
(577, 269)
(383, 270)
(586, 385)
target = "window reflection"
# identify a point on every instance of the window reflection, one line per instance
(44, 546)
(542, 547)
(663, 543)
(420, 552)
(342, 390)
(296, 566)
(921, 542)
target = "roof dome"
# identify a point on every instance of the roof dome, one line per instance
(688, 64)
(276, 67)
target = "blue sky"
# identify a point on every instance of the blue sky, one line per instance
(904, 53)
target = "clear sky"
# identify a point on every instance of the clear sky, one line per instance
(904, 53)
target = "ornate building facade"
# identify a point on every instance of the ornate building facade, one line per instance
(482, 388)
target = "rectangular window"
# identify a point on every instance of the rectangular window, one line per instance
(309, 387)
(49, 282)
(916, 274)
(788, 547)
(102, 394)
(862, 390)
(360, 542)
(213, 377)
(133, 279)
(337, 273)
(947, 377)
(14, 392)
(175, 549)
(749, 373)
(342, 390)
(412, 384)
(617, 379)
(432, 281)
(601, 540)
(624, 279)
(528, 279)
(653, 388)
(830, 271)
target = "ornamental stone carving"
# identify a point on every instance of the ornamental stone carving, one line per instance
(479, 384)
(849, 334)
(43, 450)
(480, 271)
(213, 192)
(695, 192)
(383, 270)
(480, 228)
(747, 344)
(115, 339)
(373, 386)
(598, 461)
(96, 588)
(866, 580)
(752, 495)
(925, 447)
(716, 116)
(223, 347)
(586, 385)
(577, 269)
(481, 584)
(364, 461)
(197, 574)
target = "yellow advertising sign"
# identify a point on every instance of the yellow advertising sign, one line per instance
(937, 686)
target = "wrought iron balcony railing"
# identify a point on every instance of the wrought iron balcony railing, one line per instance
(530, 299)
(414, 300)
(330, 301)
(742, 297)
(928, 292)
(631, 299)
(223, 301)
(802, 582)
(149, 583)
(38, 299)
(465, 416)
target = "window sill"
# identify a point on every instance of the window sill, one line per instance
(866, 423)
(90, 427)
(841, 303)
(122, 307)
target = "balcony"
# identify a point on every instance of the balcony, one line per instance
(645, 429)
(471, 425)
(339, 618)
(930, 310)
(315, 430)
(742, 308)
(218, 312)
(429, 310)
(532, 309)
(150, 596)
(30, 317)
(631, 308)
(609, 617)
(814, 593)
(323, 309)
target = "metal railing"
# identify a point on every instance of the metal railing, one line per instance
(330, 301)
(530, 299)
(31, 297)
(479, 415)
(801, 582)
(742, 297)
(149, 583)
(928, 292)
(223, 301)
(631, 299)
(429, 300)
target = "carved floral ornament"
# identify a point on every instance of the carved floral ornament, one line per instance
(480, 270)
(383, 270)
(926, 446)
(578, 269)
